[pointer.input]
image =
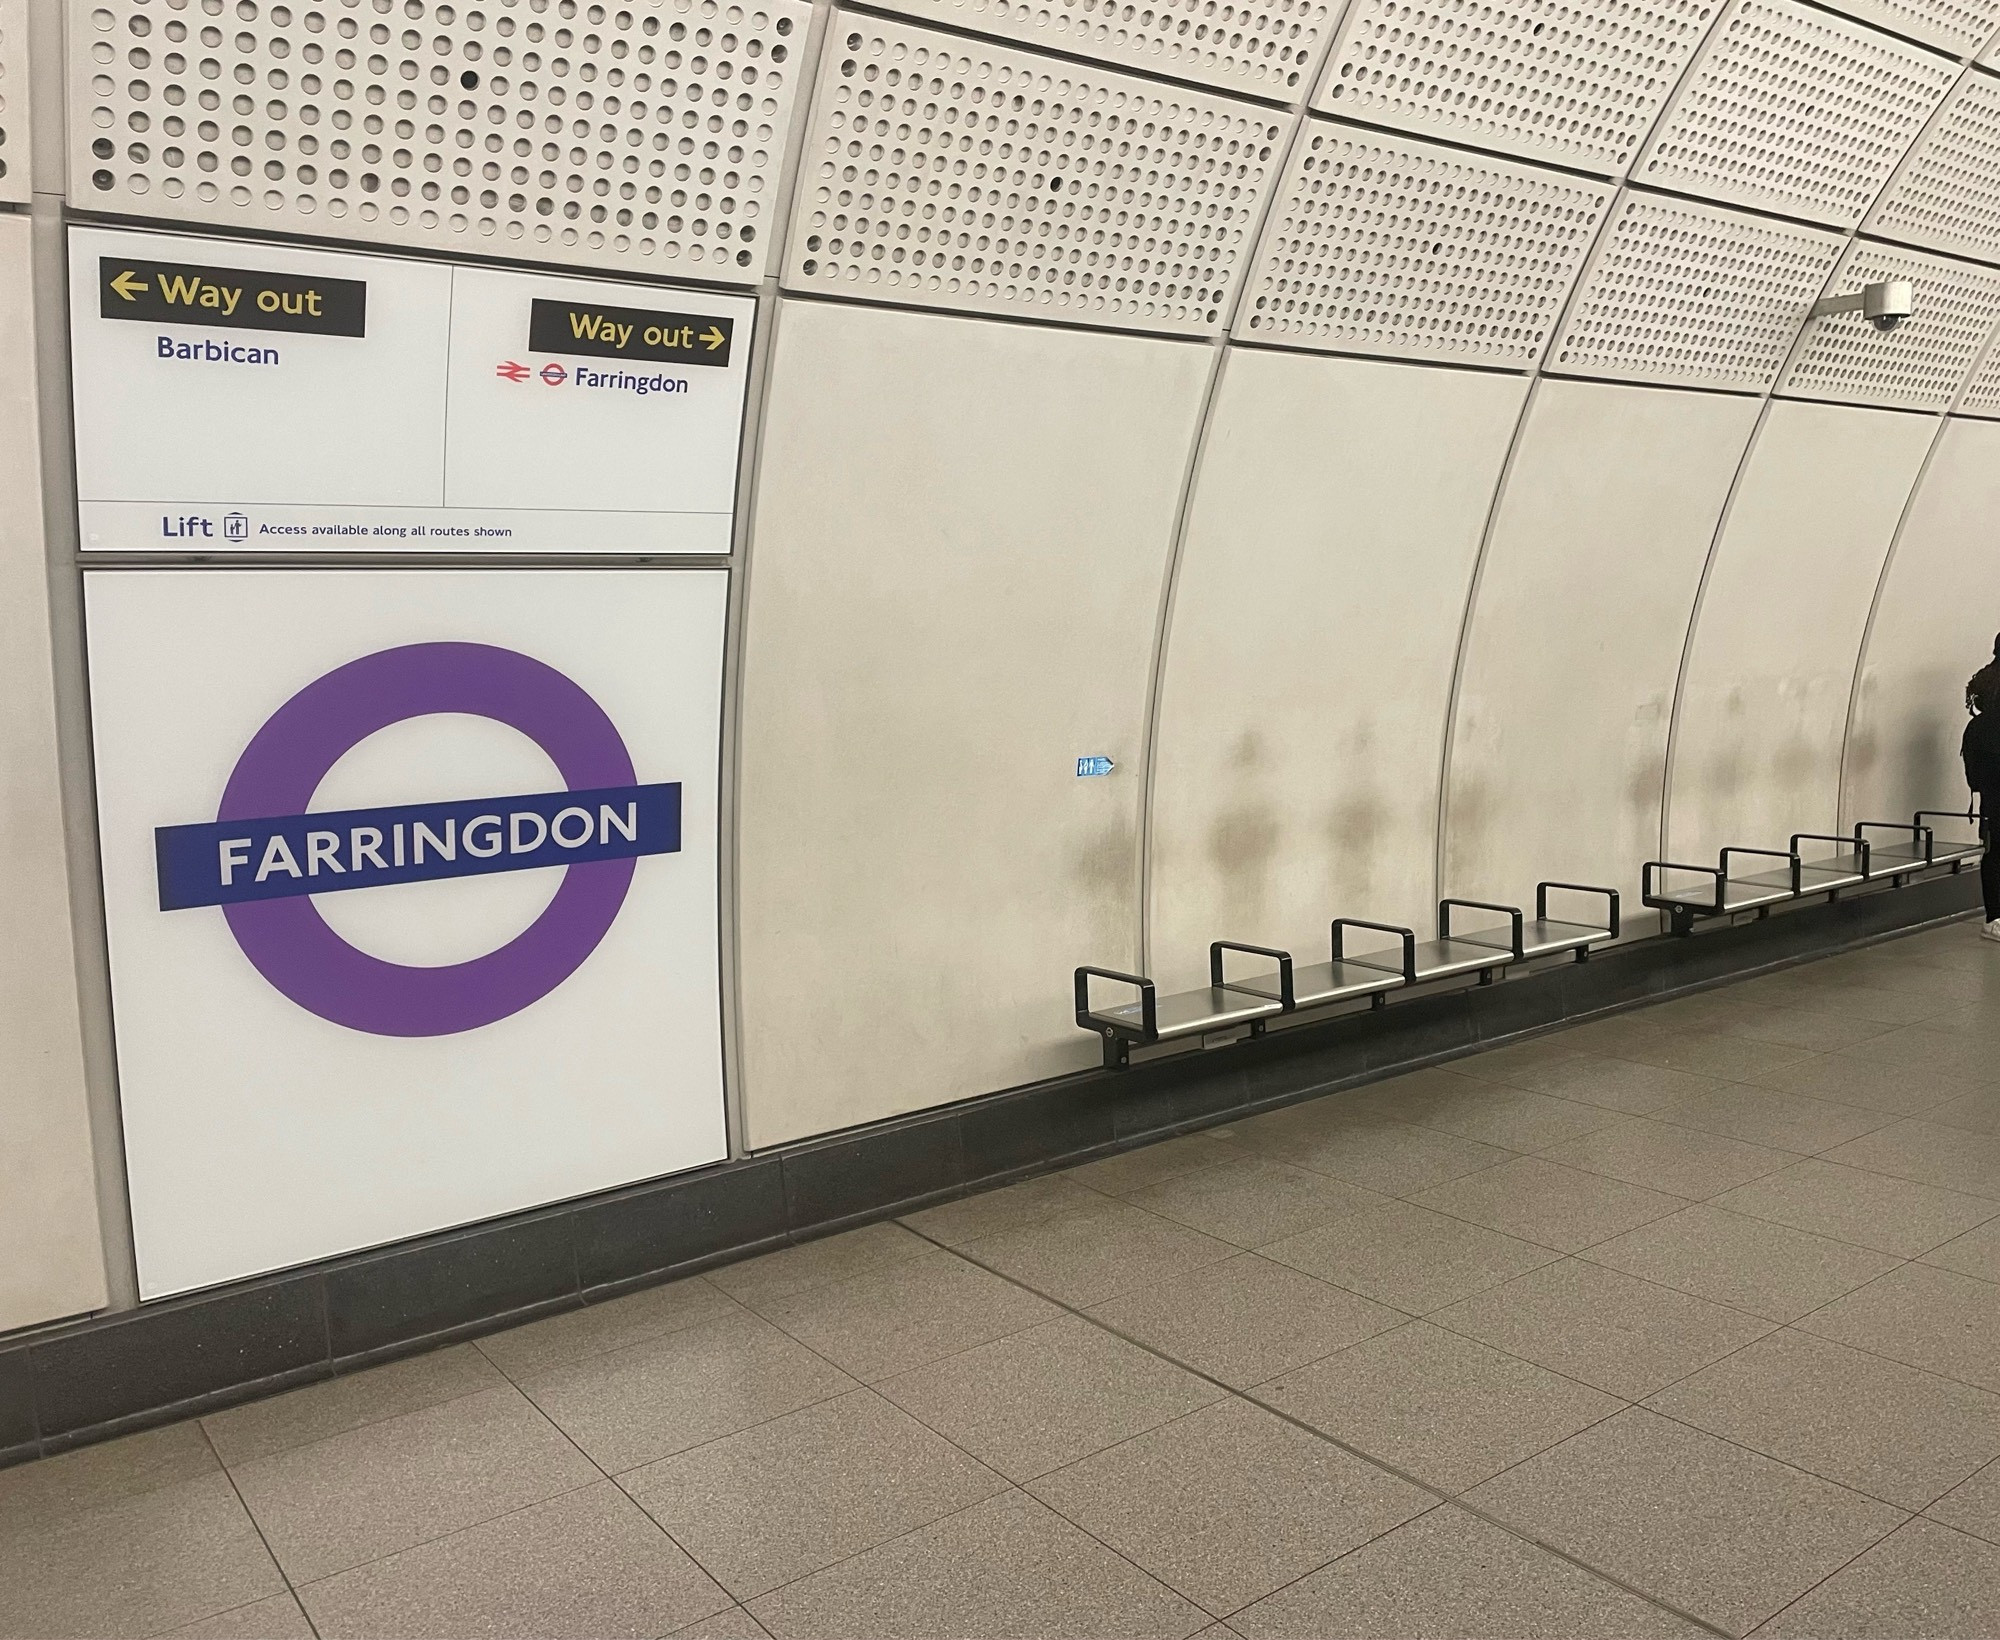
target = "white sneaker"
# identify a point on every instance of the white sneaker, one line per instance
(1991, 931)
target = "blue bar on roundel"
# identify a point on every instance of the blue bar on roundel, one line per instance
(227, 862)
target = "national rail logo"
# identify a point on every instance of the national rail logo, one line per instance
(264, 856)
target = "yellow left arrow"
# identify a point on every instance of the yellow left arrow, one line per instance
(127, 285)
(714, 337)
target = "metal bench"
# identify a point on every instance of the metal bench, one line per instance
(1226, 1003)
(1857, 860)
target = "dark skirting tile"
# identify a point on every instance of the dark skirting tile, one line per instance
(185, 1350)
(17, 1404)
(875, 1169)
(738, 1207)
(434, 1287)
(1043, 1124)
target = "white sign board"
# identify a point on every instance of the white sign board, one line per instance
(240, 397)
(410, 882)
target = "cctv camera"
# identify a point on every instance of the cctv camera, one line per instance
(1888, 303)
(1884, 304)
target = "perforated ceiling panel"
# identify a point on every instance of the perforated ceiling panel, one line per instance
(646, 136)
(1948, 193)
(1957, 26)
(1982, 397)
(1574, 82)
(1261, 48)
(1395, 247)
(1919, 364)
(957, 175)
(14, 175)
(1693, 294)
(1793, 111)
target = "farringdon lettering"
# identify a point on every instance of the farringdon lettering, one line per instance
(227, 862)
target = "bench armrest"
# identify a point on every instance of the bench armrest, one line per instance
(1282, 958)
(1408, 967)
(1149, 1018)
(1610, 900)
(1511, 912)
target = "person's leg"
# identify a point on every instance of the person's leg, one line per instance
(1989, 864)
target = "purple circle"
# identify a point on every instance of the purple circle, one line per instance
(290, 944)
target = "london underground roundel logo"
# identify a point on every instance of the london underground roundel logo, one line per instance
(265, 856)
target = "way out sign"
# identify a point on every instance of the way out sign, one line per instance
(251, 397)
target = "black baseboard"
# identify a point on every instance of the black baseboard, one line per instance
(85, 1381)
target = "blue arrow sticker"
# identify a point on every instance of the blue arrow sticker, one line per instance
(1093, 765)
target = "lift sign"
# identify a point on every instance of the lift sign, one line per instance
(230, 298)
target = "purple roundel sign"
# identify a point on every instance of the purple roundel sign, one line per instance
(265, 856)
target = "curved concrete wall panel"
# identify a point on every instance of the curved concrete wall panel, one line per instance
(1934, 624)
(1330, 541)
(1560, 729)
(51, 1258)
(1770, 661)
(962, 535)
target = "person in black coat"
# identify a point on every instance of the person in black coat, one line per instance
(1980, 748)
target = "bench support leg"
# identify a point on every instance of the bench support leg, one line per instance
(1117, 1051)
(1379, 1000)
(1680, 921)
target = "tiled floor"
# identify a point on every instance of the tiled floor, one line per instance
(1686, 1322)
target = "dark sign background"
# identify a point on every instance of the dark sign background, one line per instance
(146, 290)
(553, 328)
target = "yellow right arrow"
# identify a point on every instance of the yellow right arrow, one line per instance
(714, 337)
(127, 284)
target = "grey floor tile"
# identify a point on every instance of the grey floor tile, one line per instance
(598, 1329)
(1959, 1054)
(1409, 1257)
(1764, 1116)
(818, 1263)
(1818, 1030)
(1253, 1201)
(1892, 1089)
(1720, 1533)
(1084, 1258)
(1388, 1157)
(1441, 1407)
(1737, 1058)
(1872, 1425)
(1924, 1317)
(1930, 1154)
(1008, 1208)
(1523, 1057)
(1475, 1108)
(1006, 1569)
(587, 1565)
(1922, 1582)
(1613, 1036)
(1449, 1575)
(733, 1624)
(1229, 1503)
(1975, 1112)
(767, 1506)
(1132, 1170)
(1749, 1264)
(145, 1562)
(910, 1313)
(371, 1491)
(1603, 1328)
(348, 1402)
(1684, 1161)
(1976, 1253)
(1544, 1202)
(1043, 1398)
(278, 1617)
(1973, 1505)
(1868, 1209)
(92, 1476)
(1615, 1084)
(1246, 1319)
(1872, 1002)
(649, 1400)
